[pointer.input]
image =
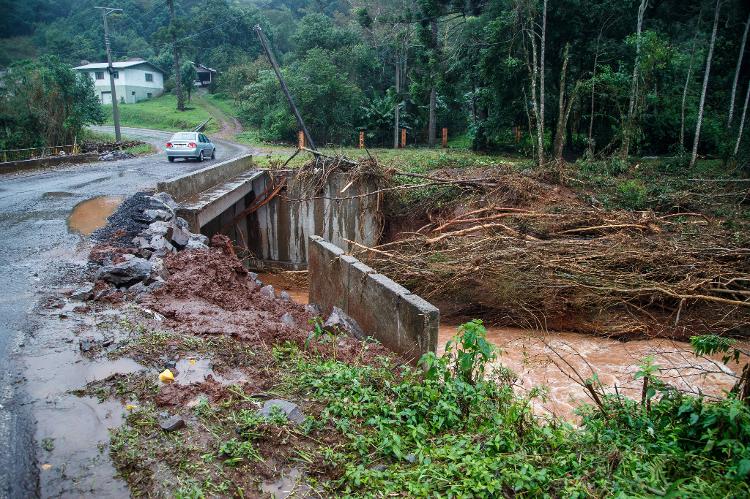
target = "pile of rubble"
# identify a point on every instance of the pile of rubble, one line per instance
(132, 247)
(115, 155)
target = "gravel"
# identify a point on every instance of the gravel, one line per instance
(124, 224)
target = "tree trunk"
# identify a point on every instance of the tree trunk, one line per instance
(176, 55)
(737, 73)
(397, 110)
(706, 75)
(561, 121)
(432, 126)
(534, 102)
(632, 105)
(541, 85)
(687, 83)
(742, 121)
(590, 146)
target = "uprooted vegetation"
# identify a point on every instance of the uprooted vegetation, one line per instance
(605, 256)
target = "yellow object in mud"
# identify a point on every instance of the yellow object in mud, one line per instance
(166, 376)
(131, 407)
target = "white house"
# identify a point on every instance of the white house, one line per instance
(135, 80)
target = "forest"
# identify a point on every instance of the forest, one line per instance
(545, 79)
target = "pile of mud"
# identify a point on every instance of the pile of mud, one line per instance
(210, 293)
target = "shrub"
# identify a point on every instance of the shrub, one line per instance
(632, 194)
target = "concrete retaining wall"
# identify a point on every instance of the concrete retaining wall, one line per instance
(28, 164)
(390, 313)
(280, 230)
(191, 184)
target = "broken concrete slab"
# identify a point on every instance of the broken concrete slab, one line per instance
(126, 273)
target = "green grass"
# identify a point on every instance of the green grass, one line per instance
(161, 114)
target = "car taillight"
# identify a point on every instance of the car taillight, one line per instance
(169, 145)
(192, 145)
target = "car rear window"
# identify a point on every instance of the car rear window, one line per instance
(183, 136)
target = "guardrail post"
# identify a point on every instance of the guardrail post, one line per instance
(403, 138)
(445, 138)
(361, 140)
(301, 140)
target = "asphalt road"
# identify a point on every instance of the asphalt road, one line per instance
(36, 244)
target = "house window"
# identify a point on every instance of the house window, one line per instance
(149, 95)
(132, 93)
(149, 77)
(115, 75)
(99, 75)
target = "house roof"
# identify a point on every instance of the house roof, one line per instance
(118, 65)
(201, 66)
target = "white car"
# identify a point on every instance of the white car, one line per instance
(190, 145)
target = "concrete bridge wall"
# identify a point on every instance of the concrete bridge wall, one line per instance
(385, 310)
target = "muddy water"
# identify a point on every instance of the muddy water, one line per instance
(556, 360)
(552, 360)
(295, 286)
(92, 214)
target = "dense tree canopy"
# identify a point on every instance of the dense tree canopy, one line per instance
(45, 102)
(593, 77)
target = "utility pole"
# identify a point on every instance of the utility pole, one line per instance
(284, 88)
(115, 112)
(176, 58)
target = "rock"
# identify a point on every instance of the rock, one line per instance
(182, 224)
(138, 288)
(126, 273)
(172, 424)
(180, 237)
(85, 292)
(166, 199)
(339, 319)
(158, 229)
(285, 296)
(86, 344)
(288, 320)
(411, 458)
(158, 215)
(268, 292)
(313, 309)
(290, 409)
(161, 244)
(195, 245)
(159, 271)
(379, 467)
(259, 283)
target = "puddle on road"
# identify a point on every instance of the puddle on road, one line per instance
(92, 214)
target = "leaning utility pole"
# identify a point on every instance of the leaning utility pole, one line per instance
(115, 112)
(284, 88)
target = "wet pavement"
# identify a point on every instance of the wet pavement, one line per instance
(39, 252)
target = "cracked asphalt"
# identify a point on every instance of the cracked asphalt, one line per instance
(36, 245)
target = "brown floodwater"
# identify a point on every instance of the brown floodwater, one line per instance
(560, 361)
(92, 214)
(293, 283)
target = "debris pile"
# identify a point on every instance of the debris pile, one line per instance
(132, 246)
(115, 155)
(518, 251)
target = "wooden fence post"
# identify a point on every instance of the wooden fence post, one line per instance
(301, 140)
(361, 140)
(403, 138)
(445, 138)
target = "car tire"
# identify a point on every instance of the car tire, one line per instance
(170, 159)
(201, 158)
(213, 153)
